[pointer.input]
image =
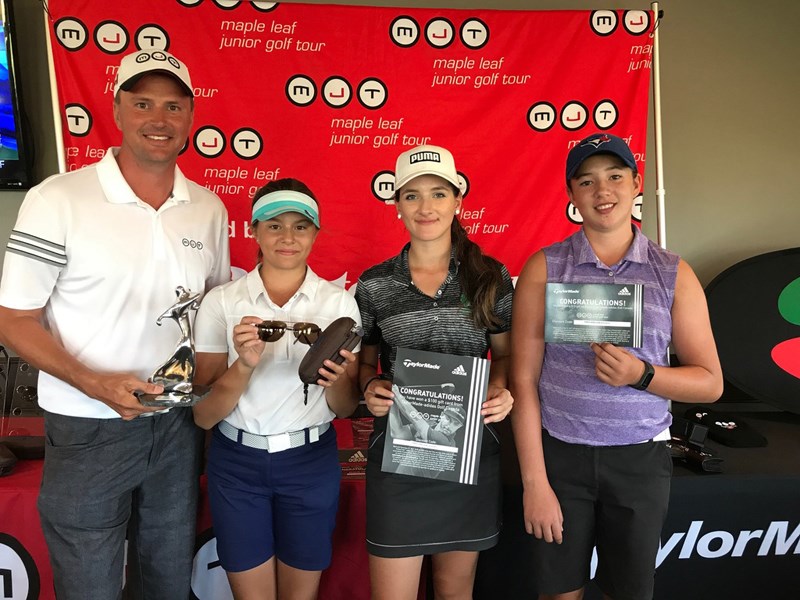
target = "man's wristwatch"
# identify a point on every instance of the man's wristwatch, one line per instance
(647, 377)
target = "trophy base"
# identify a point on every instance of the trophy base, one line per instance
(171, 399)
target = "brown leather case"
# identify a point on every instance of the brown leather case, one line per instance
(343, 333)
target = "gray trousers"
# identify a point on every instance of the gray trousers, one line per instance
(107, 478)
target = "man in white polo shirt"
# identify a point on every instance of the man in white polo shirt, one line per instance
(93, 260)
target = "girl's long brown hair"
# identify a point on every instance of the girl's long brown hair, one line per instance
(480, 276)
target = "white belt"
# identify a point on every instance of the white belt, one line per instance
(273, 443)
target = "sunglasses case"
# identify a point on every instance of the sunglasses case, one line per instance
(343, 333)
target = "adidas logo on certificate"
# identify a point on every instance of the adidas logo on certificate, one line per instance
(460, 370)
(624, 292)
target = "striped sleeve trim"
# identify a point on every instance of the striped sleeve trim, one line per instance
(37, 248)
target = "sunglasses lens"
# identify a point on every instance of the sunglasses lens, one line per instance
(306, 333)
(271, 331)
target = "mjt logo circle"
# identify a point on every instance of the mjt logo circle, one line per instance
(19, 577)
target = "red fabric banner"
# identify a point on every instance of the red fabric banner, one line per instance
(332, 94)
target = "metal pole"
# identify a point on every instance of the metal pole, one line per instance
(60, 153)
(661, 219)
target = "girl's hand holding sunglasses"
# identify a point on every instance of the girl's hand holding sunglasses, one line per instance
(247, 341)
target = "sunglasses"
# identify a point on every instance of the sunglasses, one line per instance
(272, 331)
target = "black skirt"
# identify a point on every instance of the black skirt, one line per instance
(413, 516)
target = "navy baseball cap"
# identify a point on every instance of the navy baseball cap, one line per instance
(599, 143)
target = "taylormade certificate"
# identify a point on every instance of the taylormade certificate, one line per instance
(580, 313)
(435, 425)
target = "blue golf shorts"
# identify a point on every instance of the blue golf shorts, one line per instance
(279, 504)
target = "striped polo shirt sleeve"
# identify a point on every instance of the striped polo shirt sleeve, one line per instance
(369, 314)
(502, 306)
(36, 253)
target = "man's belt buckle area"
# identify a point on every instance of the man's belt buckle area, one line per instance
(273, 443)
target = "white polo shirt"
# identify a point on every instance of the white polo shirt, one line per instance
(273, 400)
(105, 265)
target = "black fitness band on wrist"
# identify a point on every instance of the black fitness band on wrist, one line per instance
(646, 378)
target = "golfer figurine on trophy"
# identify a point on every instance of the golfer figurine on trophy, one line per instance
(177, 372)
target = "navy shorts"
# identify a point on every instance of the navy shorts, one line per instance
(281, 504)
(614, 497)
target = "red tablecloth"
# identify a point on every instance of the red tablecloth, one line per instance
(25, 566)
(24, 563)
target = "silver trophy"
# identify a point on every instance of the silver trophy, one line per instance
(177, 372)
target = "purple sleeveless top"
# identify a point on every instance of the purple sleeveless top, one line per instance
(576, 406)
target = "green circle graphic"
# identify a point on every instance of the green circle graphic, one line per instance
(789, 302)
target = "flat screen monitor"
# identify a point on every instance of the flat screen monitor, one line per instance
(15, 172)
